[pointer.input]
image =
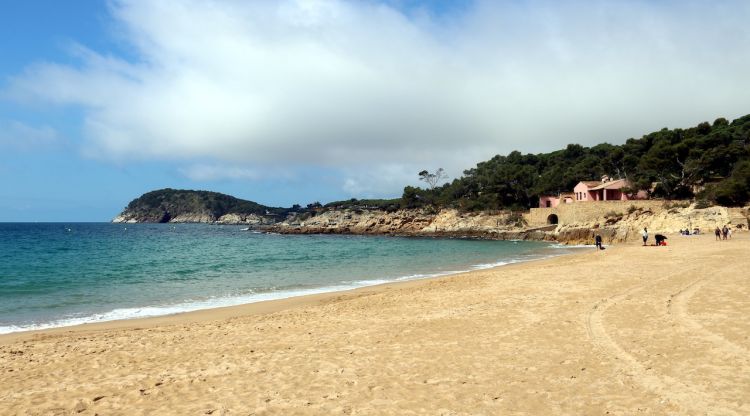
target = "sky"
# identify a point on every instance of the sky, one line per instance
(296, 101)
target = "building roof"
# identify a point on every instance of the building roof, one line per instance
(591, 184)
(617, 184)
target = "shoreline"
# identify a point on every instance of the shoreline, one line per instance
(260, 307)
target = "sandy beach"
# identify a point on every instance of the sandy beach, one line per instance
(628, 330)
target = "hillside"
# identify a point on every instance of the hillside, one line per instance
(175, 205)
(708, 161)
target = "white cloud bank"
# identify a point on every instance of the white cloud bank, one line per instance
(362, 84)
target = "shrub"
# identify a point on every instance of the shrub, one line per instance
(702, 204)
(673, 206)
(515, 218)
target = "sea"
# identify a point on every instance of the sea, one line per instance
(58, 274)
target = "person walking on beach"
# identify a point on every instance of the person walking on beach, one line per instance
(724, 232)
(717, 233)
(729, 233)
(598, 242)
(644, 234)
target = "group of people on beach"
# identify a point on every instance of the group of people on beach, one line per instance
(659, 239)
(724, 233)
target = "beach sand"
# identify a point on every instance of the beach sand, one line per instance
(629, 330)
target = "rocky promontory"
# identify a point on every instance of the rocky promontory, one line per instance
(187, 206)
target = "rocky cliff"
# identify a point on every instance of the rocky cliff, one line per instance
(413, 222)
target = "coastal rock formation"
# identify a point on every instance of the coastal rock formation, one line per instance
(417, 222)
(614, 221)
(250, 219)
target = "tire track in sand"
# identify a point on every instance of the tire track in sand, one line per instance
(690, 399)
(677, 308)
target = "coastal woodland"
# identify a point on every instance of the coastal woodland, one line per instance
(709, 163)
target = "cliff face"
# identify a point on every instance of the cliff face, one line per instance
(183, 206)
(614, 227)
(447, 222)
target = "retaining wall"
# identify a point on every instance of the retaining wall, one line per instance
(580, 212)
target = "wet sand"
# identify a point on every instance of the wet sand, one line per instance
(628, 330)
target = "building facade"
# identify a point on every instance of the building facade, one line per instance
(590, 191)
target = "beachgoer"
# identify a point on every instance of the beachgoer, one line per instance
(598, 242)
(660, 239)
(729, 233)
(644, 234)
(724, 232)
(717, 233)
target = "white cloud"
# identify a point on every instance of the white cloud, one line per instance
(21, 136)
(363, 86)
(379, 181)
(208, 173)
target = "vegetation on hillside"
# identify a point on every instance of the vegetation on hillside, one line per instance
(709, 161)
(389, 205)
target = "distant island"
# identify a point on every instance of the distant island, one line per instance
(176, 205)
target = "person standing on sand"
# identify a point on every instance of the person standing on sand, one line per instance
(729, 233)
(717, 233)
(724, 232)
(644, 234)
(598, 242)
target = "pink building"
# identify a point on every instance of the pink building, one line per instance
(588, 191)
(554, 201)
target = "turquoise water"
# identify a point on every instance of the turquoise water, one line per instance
(64, 274)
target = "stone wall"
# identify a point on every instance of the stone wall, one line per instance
(584, 212)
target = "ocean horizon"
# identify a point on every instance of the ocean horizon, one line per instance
(63, 274)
